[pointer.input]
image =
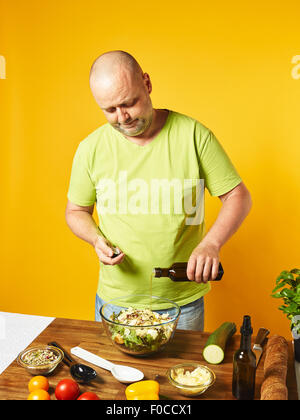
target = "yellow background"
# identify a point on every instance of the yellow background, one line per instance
(228, 64)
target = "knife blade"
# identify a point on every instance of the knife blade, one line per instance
(259, 343)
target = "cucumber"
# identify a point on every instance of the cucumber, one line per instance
(214, 348)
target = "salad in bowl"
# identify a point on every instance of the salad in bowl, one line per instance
(140, 330)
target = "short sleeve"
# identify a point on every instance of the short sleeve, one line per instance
(217, 170)
(81, 188)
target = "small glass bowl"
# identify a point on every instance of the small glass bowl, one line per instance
(190, 390)
(43, 369)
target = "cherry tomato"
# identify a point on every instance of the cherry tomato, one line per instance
(38, 382)
(39, 394)
(67, 389)
(88, 396)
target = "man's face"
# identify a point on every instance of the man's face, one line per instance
(126, 103)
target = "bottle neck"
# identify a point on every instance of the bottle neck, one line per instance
(245, 342)
(161, 272)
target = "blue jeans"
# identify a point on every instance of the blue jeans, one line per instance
(191, 317)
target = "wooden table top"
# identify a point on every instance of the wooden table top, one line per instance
(186, 346)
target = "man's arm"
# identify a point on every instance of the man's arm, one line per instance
(204, 261)
(81, 222)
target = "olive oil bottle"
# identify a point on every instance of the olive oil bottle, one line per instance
(177, 272)
(244, 365)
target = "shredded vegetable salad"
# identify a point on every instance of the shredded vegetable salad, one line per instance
(142, 330)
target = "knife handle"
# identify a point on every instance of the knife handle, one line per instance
(261, 336)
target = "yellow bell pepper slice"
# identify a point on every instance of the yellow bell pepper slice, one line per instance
(143, 390)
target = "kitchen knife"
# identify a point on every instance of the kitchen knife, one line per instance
(258, 344)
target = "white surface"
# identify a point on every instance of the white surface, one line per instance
(17, 331)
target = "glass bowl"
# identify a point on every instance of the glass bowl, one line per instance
(34, 362)
(200, 383)
(141, 339)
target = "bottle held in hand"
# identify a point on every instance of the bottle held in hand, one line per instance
(177, 272)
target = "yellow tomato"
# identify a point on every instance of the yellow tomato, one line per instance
(39, 394)
(38, 382)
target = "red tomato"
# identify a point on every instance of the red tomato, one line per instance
(88, 396)
(67, 389)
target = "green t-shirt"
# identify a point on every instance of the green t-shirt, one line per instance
(150, 202)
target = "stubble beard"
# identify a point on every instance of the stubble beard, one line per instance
(141, 125)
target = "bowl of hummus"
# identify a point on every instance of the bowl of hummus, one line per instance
(191, 379)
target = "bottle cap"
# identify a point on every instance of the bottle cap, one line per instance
(246, 328)
(116, 251)
(157, 272)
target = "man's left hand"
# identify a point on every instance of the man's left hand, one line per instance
(203, 264)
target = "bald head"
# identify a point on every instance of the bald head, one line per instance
(112, 65)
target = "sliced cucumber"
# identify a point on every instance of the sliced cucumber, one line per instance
(213, 354)
(214, 349)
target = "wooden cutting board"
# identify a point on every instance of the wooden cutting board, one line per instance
(186, 347)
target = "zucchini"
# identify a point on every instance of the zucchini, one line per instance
(214, 348)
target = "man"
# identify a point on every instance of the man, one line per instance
(146, 170)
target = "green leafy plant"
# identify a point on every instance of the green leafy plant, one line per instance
(289, 283)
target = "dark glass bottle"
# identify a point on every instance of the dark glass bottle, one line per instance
(244, 365)
(177, 272)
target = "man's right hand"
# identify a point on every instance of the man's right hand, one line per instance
(104, 251)
(81, 222)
